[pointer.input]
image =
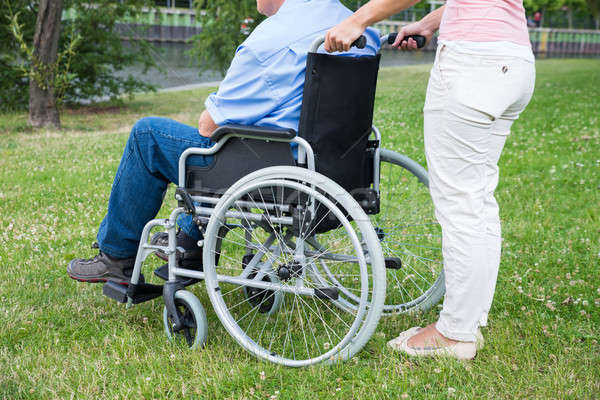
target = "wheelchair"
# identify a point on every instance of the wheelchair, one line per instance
(308, 238)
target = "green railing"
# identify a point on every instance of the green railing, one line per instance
(179, 24)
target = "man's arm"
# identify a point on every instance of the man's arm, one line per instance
(244, 96)
(206, 125)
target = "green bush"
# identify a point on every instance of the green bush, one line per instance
(100, 53)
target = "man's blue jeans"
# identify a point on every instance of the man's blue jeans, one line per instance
(149, 163)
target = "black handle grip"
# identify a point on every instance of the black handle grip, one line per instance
(360, 43)
(421, 40)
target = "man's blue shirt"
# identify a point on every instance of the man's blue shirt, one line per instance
(264, 83)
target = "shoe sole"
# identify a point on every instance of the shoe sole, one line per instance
(105, 279)
(97, 280)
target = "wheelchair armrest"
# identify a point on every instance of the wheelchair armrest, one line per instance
(256, 132)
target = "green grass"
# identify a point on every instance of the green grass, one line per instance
(63, 339)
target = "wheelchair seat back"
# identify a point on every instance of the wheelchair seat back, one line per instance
(336, 120)
(337, 115)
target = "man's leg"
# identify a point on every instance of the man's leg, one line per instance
(149, 163)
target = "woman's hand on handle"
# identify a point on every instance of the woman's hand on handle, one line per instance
(424, 27)
(416, 28)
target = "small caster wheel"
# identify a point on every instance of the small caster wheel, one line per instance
(267, 301)
(193, 316)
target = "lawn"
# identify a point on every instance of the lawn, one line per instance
(63, 339)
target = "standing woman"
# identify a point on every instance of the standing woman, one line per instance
(482, 79)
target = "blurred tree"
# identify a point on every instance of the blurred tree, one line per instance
(100, 53)
(594, 7)
(13, 84)
(43, 110)
(225, 25)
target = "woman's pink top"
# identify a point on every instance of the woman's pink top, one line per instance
(485, 21)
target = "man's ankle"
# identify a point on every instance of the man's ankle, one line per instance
(187, 241)
(115, 258)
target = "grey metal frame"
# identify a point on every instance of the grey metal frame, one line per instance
(305, 156)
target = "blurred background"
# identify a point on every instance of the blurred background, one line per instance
(108, 48)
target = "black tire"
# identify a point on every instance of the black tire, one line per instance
(409, 232)
(194, 317)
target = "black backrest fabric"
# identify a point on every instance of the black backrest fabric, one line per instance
(337, 114)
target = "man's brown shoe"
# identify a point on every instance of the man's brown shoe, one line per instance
(101, 268)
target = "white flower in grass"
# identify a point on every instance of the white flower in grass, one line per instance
(451, 390)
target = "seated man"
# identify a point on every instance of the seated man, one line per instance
(262, 87)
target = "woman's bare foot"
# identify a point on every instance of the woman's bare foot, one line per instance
(429, 337)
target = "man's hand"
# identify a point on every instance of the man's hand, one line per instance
(206, 125)
(341, 36)
(416, 28)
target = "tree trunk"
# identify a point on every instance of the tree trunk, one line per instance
(594, 6)
(43, 110)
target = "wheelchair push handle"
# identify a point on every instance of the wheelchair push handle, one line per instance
(359, 43)
(421, 40)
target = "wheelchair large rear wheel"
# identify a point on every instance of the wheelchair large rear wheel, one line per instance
(270, 216)
(410, 236)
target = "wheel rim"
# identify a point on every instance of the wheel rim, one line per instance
(189, 331)
(298, 313)
(408, 230)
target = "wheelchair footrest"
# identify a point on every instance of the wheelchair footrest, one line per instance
(144, 292)
(139, 293)
(115, 291)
